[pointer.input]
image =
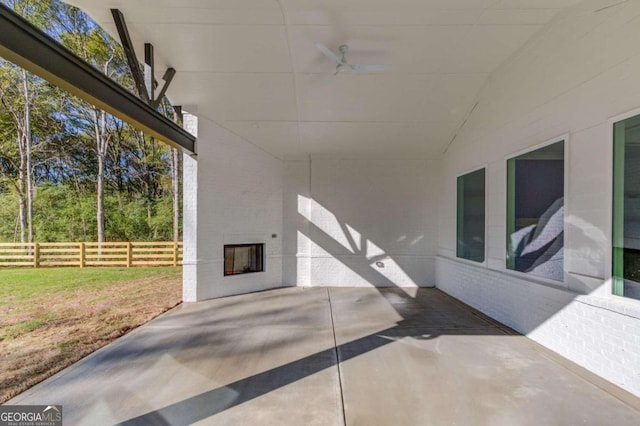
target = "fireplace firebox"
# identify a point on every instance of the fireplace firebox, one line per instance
(243, 258)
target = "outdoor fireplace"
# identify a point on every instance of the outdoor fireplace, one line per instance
(243, 258)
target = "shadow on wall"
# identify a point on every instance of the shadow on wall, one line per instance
(340, 255)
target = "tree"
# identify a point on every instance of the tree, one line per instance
(93, 45)
(18, 94)
(25, 113)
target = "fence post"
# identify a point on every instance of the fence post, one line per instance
(82, 255)
(129, 254)
(36, 255)
(175, 253)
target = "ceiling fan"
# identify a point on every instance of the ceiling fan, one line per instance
(342, 65)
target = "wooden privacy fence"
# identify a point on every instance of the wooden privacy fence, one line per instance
(127, 254)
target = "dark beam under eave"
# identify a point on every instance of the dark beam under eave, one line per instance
(28, 47)
(130, 54)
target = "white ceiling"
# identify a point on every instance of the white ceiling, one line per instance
(252, 66)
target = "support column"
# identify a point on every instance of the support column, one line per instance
(190, 218)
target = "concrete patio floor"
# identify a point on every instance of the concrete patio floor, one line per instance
(330, 357)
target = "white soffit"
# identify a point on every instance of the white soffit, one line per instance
(252, 66)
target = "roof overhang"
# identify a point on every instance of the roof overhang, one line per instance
(253, 66)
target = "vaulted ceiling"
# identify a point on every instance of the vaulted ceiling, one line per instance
(252, 66)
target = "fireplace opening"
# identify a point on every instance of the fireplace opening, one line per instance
(243, 259)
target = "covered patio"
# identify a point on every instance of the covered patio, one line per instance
(476, 151)
(330, 356)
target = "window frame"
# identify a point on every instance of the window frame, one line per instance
(609, 276)
(566, 207)
(484, 263)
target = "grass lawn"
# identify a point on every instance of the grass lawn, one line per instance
(52, 317)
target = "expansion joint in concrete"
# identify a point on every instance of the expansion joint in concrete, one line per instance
(337, 354)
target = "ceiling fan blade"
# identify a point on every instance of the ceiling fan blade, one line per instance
(362, 69)
(328, 53)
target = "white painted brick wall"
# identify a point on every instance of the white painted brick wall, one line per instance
(343, 216)
(600, 334)
(571, 79)
(232, 196)
(190, 217)
(190, 229)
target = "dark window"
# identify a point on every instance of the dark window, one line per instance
(243, 258)
(471, 216)
(535, 212)
(626, 208)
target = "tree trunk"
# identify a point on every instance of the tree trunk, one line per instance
(24, 163)
(21, 195)
(27, 149)
(102, 142)
(102, 145)
(100, 199)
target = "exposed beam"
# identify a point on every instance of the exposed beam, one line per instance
(145, 80)
(168, 77)
(130, 53)
(28, 47)
(149, 77)
(150, 72)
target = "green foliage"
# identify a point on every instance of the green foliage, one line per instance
(161, 224)
(8, 216)
(138, 220)
(61, 214)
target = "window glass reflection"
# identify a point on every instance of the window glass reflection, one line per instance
(535, 212)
